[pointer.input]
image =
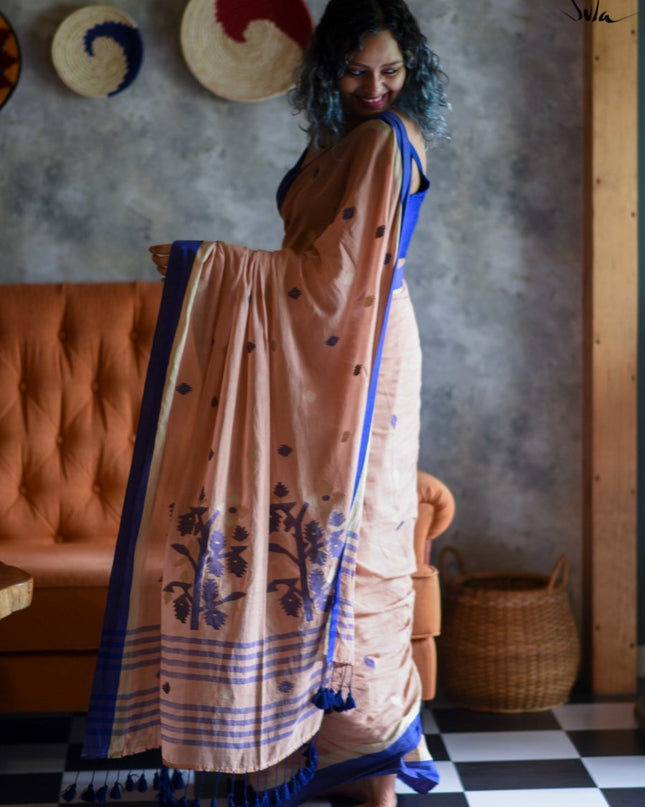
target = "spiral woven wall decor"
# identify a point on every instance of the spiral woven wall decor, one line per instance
(245, 50)
(97, 51)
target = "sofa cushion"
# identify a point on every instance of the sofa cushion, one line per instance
(72, 363)
(73, 359)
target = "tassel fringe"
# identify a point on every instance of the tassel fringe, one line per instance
(239, 791)
(134, 783)
(329, 697)
(332, 701)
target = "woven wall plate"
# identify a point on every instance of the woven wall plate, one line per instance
(245, 50)
(9, 60)
(97, 51)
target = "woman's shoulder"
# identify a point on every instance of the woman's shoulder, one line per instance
(412, 130)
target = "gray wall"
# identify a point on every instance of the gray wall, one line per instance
(495, 270)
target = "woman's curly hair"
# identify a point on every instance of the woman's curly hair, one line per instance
(341, 32)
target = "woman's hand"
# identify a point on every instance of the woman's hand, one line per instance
(160, 256)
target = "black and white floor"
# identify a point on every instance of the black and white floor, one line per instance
(584, 754)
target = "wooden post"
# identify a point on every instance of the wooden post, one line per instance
(610, 347)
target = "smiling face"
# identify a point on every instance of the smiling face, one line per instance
(373, 78)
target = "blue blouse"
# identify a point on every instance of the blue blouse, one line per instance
(411, 202)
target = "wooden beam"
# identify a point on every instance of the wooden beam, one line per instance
(610, 349)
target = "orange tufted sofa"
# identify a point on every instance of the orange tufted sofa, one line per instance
(73, 359)
(436, 512)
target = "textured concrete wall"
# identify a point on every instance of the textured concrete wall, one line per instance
(494, 271)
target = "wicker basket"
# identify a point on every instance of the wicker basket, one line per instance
(509, 641)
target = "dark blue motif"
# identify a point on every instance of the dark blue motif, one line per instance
(337, 536)
(309, 589)
(128, 39)
(320, 590)
(285, 686)
(202, 597)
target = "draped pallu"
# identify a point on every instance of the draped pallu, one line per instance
(229, 631)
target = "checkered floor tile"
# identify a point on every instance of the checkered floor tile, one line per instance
(580, 755)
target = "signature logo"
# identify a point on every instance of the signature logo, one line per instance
(593, 16)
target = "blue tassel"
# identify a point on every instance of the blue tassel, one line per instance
(338, 704)
(101, 794)
(88, 794)
(312, 756)
(166, 798)
(142, 784)
(177, 782)
(264, 800)
(155, 781)
(130, 783)
(350, 703)
(307, 775)
(69, 794)
(324, 699)
(115, 793)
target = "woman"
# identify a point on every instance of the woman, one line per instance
(276, 651)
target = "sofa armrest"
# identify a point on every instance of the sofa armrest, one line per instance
(436, 512)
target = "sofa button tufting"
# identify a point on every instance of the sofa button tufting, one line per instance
(134, 336)
(22, 386)
(59, 439)
(23, 490)
(62, 336)
(97, 488)
(59, 539)
(95, 386)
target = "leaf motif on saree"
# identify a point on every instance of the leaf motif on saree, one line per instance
(208, 558)
(306, 542)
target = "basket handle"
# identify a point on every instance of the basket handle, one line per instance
(443, 556)
(561, 566)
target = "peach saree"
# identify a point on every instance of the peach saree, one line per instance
(245, 615)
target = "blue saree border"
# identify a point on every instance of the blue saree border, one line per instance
(106, 680)
(421, 776)
(406, 156)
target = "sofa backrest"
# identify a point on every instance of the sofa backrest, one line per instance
(73, 359)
